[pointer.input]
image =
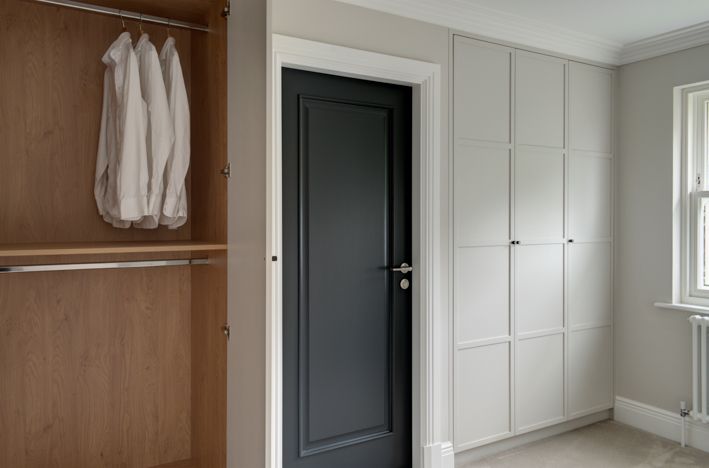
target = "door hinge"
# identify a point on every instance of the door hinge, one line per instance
(227, 331)
(226, 172)
(227, 9)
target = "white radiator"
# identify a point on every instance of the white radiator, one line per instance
(700, 404)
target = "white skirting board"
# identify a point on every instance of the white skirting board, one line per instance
(661, 422)
(478, 453)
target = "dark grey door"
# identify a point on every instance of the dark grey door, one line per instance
(346, 317)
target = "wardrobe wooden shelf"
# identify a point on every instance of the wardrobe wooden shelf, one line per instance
(97, 248)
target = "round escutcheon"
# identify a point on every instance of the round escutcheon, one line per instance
(404, 284)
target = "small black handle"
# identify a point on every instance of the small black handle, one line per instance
(571, 241)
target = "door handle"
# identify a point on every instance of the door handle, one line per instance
(404, 268)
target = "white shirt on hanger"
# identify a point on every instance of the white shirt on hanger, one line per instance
(121, 181)
(174, 210)
(160, 134)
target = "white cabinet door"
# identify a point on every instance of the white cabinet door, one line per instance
(540, 382)
(590, 370)
(540, 100)
(482, 299)
(539, 194)
(590, 103)
(590, 284)
(540, 288)
(590, 192)
(482, 395)
(481, 194)
(482, 79)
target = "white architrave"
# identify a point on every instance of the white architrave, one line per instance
(428, 350)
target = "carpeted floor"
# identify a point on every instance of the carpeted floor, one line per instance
(602, 445)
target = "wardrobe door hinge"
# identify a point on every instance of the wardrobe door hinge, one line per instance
(226, 172)
(227, 331)
(227, 9)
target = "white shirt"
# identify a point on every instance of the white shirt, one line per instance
(174, 210)
(121, 181)
(160, 135)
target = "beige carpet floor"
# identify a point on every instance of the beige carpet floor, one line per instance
(602, 445)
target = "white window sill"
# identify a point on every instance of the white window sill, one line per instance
(683, 307)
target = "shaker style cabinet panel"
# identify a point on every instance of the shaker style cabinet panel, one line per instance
(539, 194)
(590, 108)
(590, 197)
(482, 76)
(483, 393)
(590, 284)
(540, 381)
(482, 194)
(540, 100)
(532, 174)
(590, 370)
(482, 308)
(540, 288)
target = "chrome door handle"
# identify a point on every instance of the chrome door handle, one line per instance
(404, 268)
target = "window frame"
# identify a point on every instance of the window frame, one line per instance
(694, 189)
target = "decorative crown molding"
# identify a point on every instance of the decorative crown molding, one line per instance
(666, 43)
(466, 16)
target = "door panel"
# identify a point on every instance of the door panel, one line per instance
(482, 194)
(539, 194)
(347, 322)
(540, 287)
(482, 83)
(590, 370)
(590, 107)
(482, 301)
(590, 284)
(540, 100)
(590, 193)
(482, 394)
(540, 381)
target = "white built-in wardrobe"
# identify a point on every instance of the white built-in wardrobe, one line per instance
(532, 240)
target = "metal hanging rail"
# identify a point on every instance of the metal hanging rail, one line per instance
(101, 266)
(125, 14)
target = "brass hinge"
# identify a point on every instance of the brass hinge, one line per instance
(226, 172)
(227, 331)
(227, 9)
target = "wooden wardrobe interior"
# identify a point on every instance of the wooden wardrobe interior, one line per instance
(114, 367)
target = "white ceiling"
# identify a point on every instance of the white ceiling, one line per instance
(622, 21)
(613, 32)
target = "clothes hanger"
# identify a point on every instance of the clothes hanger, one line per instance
(140, 25)
(168, 28)
(123, 21)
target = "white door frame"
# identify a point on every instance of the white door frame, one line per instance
(429, 353)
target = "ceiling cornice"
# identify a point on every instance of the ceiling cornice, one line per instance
(666, 43)
(466, 16)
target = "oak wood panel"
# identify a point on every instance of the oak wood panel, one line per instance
(95, 368)
(196, 11)
(51, 82)
(209, 354)
(209, 131)
(95, 248)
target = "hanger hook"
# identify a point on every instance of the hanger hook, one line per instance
(123, 21)
(140, 24)
(168, 28)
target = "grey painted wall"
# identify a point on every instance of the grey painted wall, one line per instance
(652, 346)
(360, 28)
